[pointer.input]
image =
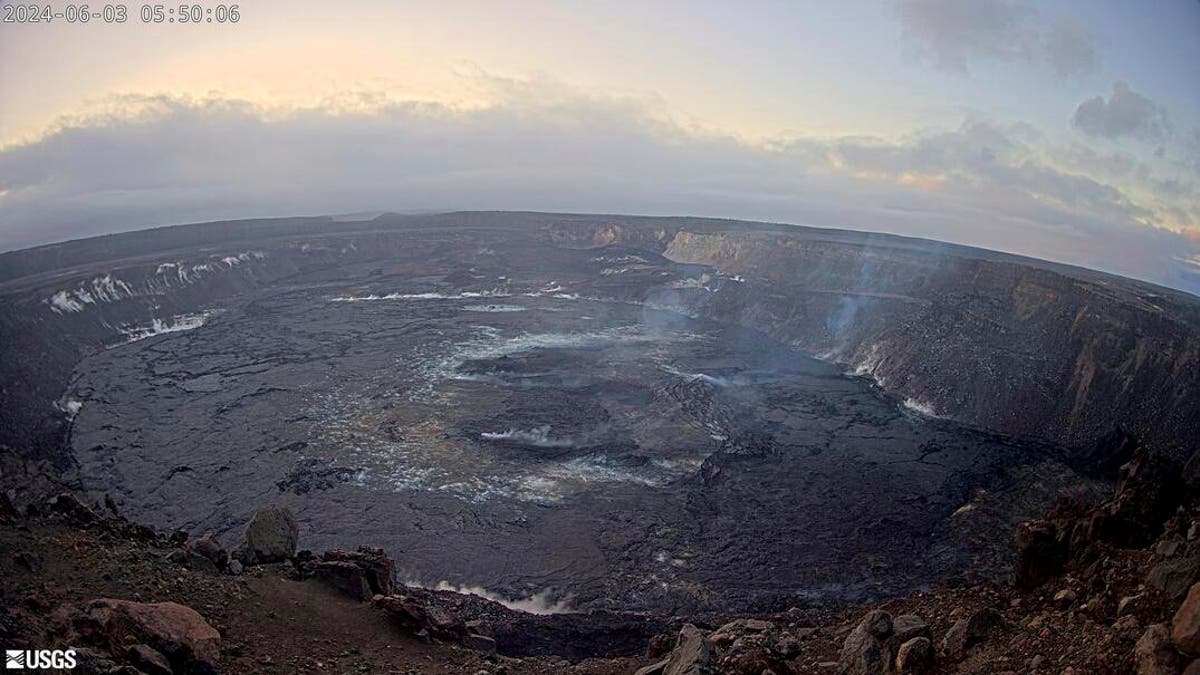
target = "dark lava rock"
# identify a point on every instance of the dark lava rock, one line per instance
(865, 652)
(1109, 453)
(149, 660)
(414, 617)
(30, 560)
(915, 656)
(360, 574)
(908, 626)
(315, 474)
(1040, 554)
(270, 537)
(1175, 576)
(93, 661)
(965, 633)
(692, 654)
(211, 549)
(1148, 492)
(71, 506)
(8, 512)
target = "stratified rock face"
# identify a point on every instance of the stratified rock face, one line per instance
(1011, 344)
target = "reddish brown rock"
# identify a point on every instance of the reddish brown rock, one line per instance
(177, 632)
(1154, 654)
(361, 574)
(1185, 627)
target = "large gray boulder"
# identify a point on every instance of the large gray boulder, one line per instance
(865, 651)
(270, 537)
(970, 631)
(692, 654)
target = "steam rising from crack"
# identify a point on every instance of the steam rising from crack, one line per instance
(542, 602)
(539, 437)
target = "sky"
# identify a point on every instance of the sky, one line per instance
(1066, 129)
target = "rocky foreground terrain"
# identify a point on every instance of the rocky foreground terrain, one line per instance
(1111, 587)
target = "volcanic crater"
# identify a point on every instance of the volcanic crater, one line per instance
(602, 412)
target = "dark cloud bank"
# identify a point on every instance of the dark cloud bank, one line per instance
(954, 34)
(1125, 113)
(176, 161)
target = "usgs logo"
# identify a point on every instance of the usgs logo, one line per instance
(34, 659)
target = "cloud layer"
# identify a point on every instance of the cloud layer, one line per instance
(955, 34)
(1125, 113)
(167, 160)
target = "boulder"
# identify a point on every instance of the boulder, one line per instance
(915, 656)
(415, 617)
(344, 576)
(1153, 653)
(73, 507)
(178, 633)
(211, 549)
(1130, 604)
(864, 651)
(1175, 576)
(193, 561)
(1065, 598)
(270, 537)
(1185, 627)
(1040, 553)
(967, 632)
(692, 654)
(908, 626)
(361, 574)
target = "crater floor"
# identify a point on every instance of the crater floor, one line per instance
(535, 435)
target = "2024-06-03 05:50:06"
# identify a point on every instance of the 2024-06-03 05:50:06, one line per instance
(84, 13)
